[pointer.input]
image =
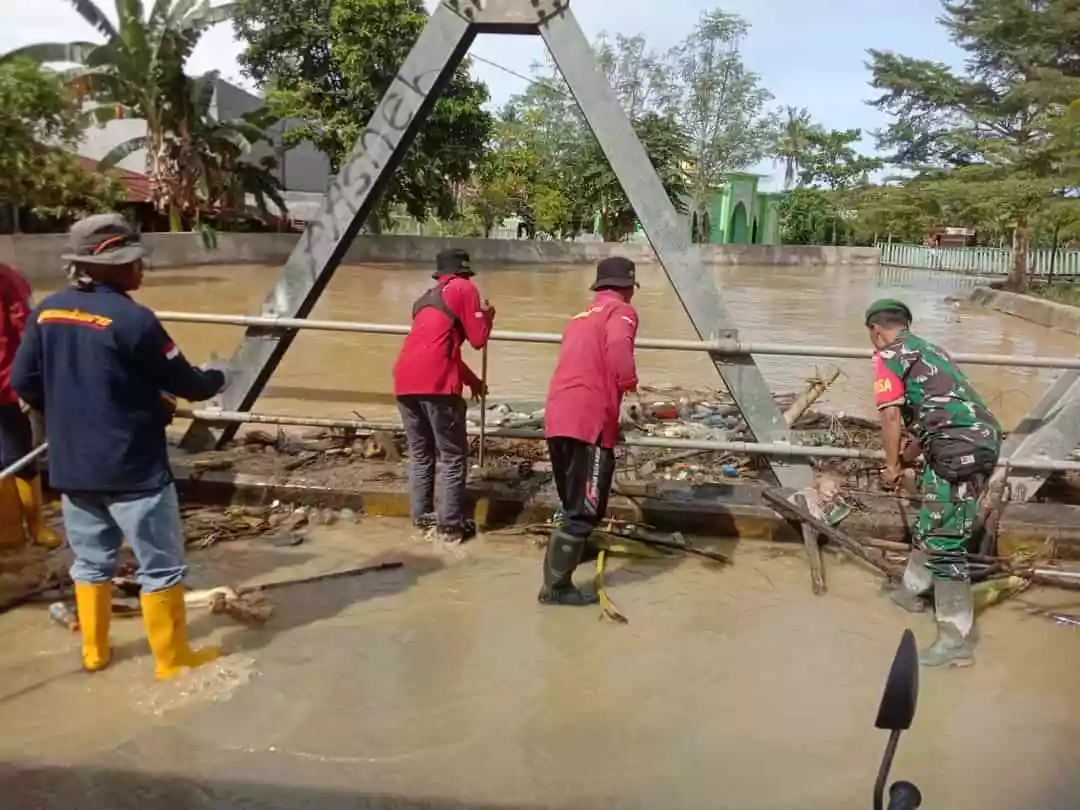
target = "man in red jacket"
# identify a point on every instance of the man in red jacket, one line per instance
(581, 421)
(428, 379)
(20, 494)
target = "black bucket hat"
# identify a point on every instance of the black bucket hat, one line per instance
(616, 272)
(453, 263)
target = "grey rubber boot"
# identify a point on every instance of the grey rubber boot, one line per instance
(911, 592)
(954, 608)
(563, 554)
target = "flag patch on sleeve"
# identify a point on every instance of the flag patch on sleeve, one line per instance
(172, 351)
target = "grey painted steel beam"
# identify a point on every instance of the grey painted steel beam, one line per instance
(1050, 430)
(667, 232)
(350, 198)
(507, 16)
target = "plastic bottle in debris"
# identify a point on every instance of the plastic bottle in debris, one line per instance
(63, 616)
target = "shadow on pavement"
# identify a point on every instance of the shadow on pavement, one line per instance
(32, 787)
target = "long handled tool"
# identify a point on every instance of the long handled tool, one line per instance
(248, 604)
(483, 405)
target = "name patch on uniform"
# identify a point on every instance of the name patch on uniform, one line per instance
(587, 313)
(74, 317)
(882, 386)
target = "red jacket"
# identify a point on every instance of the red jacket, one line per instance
(596, 367)
(430, 359)
(14, 312)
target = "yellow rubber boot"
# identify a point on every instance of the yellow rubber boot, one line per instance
(30, 497)
(11, 516)
(165, 618)
(93, 600)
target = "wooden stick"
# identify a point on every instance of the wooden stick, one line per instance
(483, 405)
(349, 572)
(871, 556)
(811, 395)
(886, 545)
(648, 539)
(989, 515)
(813, 551)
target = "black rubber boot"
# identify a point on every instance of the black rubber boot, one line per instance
(563, 554)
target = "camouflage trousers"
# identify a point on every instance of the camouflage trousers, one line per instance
(945, 521)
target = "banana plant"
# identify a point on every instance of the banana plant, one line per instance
(138, 72)
(219, 154)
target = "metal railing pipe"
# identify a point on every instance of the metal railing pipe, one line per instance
(16, 466)
(726, 347)
(707, 445)
(746, 448)
(741, 448)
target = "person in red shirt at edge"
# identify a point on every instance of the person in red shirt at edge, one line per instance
(20, 494)
(428, 379)
(581, 421)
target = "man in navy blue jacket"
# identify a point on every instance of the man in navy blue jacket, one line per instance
(97, 364)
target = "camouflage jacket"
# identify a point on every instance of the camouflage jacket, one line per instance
(938, 404)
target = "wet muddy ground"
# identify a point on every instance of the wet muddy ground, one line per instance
(444, 685)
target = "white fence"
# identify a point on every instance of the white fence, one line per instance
(978, 261)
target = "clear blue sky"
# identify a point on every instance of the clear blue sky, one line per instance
(810, 53)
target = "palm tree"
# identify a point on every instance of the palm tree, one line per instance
(793, 143)
(138, 72)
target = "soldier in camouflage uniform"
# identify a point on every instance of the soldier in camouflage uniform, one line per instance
(918, 387)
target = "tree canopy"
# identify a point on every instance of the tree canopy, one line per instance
(137, 71)
(39, 126)
(988, 145)
(328, 63)
(698, 111)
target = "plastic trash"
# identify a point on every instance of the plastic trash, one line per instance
(64, 616)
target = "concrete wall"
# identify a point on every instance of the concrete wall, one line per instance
(1062, 317)
(39, 256)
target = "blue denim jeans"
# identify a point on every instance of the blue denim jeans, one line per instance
(96, 524)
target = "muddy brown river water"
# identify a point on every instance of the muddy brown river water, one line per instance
(443, 686)
(334, 374)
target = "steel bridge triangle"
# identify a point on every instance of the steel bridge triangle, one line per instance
(353, 194)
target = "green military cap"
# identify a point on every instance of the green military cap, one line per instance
(886, 305)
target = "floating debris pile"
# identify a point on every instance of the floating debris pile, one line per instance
(703, 415)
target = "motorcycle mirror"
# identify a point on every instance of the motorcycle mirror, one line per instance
(897, 708)
(901, 695)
